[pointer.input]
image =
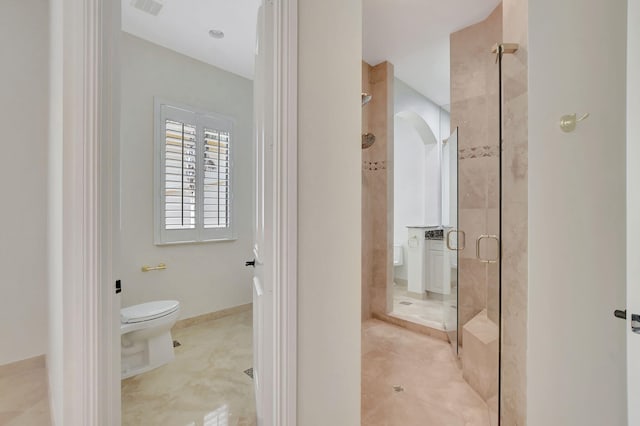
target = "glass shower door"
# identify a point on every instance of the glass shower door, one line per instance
(454, 239)
(479, 218)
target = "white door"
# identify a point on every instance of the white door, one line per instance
(576, 210)
(263, 227)
(633, 209)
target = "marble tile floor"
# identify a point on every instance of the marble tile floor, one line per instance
(24, 398)
(436, 314)
(204, 386)
(429, 387)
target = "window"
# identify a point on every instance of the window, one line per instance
(193, 179)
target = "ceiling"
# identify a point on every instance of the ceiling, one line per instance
(183, 26)
(414, 36)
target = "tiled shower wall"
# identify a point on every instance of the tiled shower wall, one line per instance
(475, 111)
(377, 191)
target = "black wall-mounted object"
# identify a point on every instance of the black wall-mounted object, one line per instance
(118, 287)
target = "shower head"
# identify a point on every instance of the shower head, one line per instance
(367, 140)
(366, 98)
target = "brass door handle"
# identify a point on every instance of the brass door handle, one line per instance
(491, 237)
(464, 240)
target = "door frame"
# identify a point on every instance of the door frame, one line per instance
(633, 205)
(91, 131)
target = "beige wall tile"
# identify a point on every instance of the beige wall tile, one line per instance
(377, 192)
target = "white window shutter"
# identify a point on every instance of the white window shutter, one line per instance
(193, 181)
(180, 183)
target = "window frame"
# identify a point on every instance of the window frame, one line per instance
(167, 110)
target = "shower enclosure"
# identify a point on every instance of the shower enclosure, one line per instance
(472, 194)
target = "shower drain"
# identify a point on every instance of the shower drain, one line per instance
(398, 388)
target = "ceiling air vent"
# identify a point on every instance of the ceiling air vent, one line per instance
(152, 7)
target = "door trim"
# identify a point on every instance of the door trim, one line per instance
(88, 47)
(633, 204)
(286, 213)
(80, 187)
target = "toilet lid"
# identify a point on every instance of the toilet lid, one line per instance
(148, 311)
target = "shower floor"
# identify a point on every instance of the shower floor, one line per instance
(411, 379)
(431, 312)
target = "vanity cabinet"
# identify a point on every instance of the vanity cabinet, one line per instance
(429, 262)
(438, 271)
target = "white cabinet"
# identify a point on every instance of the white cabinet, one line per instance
(438, 273)
(428, 263)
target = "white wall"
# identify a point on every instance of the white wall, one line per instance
(576, 349)
(406, 98)
(329, 240)
(24, 29)
(409, 191)
(55, 347)
(633, 204)
(417, 165)
(203, 277)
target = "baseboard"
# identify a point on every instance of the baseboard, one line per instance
(23, 366)
(432, 295)
(400, 282)
(419, 296)
(188, 322)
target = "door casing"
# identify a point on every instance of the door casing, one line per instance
(89, 48)
(633, 207)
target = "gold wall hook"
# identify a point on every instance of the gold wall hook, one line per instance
(569, 122)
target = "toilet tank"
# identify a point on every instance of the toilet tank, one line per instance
(398, 258)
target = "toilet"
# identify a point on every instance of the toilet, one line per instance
(145, 332)
(398, 258)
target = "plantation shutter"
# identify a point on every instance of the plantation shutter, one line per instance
(193, 176)
(180, 175)
(216, 163)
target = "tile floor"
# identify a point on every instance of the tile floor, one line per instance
(438, 314)
(204, 386)
(433, 390)
(24, 399)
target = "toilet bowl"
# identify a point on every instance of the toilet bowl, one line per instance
(145, 332)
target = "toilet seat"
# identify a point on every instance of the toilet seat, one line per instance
(148, 311)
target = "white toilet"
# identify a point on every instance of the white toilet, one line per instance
(145, 331)
(398, 258)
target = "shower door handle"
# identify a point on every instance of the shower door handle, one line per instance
(488, 237)
(464, 240)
